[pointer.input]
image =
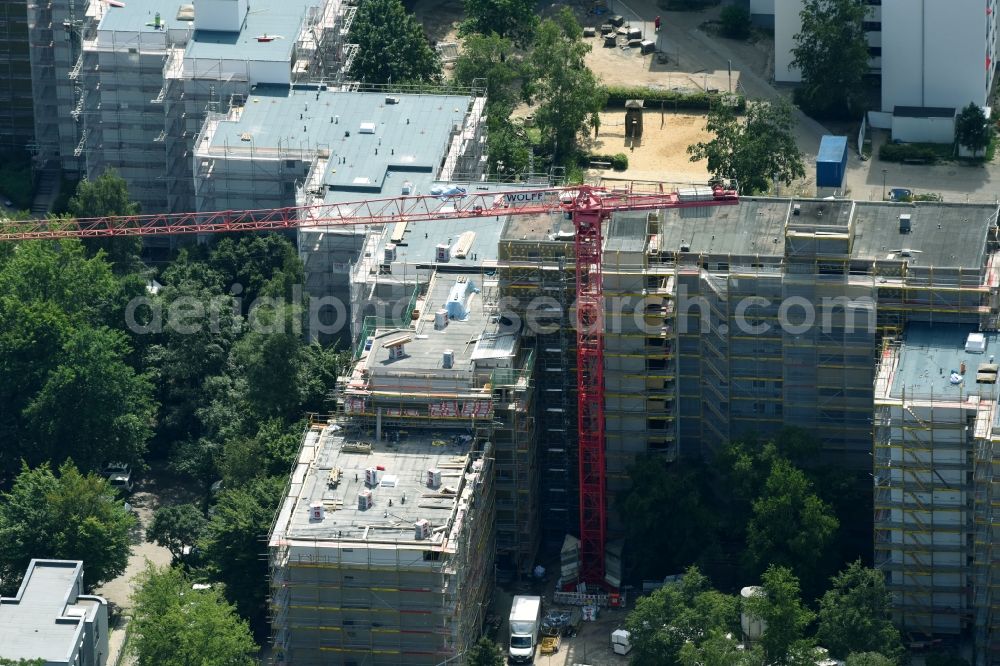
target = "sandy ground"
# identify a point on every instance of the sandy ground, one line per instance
(662, 152)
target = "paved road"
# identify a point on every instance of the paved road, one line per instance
(681, 34)
(118, 591)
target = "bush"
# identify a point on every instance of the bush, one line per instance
(700, 101)
(917, 152)
(735, 22)
(618, 161)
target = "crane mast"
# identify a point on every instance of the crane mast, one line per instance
(589, 206)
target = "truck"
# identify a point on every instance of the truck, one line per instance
(525, 621)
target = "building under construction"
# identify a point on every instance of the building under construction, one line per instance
(937, 427)
(434, 425)
(17, 127)
(720, 323)
(128, 85)
(313, 145)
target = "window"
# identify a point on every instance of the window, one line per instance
(873, 26)
(875, 51)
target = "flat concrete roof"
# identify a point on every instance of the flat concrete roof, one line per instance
(367, 138)
(139, 16)
(542, 227)
(405, 464)
(931, 352)
(420, 241)
(35, 623)
(424, 354)
(280, 19)
(752, 227)
(626, 233)
(941, 235)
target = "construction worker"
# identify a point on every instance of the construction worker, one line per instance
(656, 24)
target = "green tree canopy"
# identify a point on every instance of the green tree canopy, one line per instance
(67, 516)
(780, 607)
(58, 348)
(177, 526)
(512, 19)
(175, 625)
(791, 526)
(869, 659)
(392, 47)
(484, 653)
(855, 615)
(657, 545)
(108, 195)
(567, 93)
(493, 60)
(972, 130)
(831, 51)
(233, 544)
(753, 149)
(688, 611)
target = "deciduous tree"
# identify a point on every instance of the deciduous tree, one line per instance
(855, 615)
(656, 544)
(492, 60)
(752, 149)
(831, 51)
(392, 47)
(678, 613)
(780, 607)
(108, 195)
(972, 130)
(485, 653)
(67, 516)
(869, 659)
(175, 625)
(567, 93)
(513, 19)
(177, 526)
(234, 543)
(791, 526)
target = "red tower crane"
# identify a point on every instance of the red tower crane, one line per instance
(589, 206)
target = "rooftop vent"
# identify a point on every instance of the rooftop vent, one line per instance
(442, 253)
(975, 343)
(371, 477)
(685, 246)
(367, 128)
(904, 223)
(391, 99)
(316, 511)
(433, 478)
(440, 319)
(364, 499)
(448, 358)
(987, 373)
(421, 529)
(797, 210)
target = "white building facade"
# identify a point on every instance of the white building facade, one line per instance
(930, 53)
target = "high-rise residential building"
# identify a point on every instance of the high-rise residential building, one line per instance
(17, 127)
(933, 57)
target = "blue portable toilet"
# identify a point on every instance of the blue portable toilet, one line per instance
(831, 162)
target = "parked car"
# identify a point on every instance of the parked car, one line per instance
(119, 476)
(900, 194)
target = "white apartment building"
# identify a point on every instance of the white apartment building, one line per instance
(930, 53)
